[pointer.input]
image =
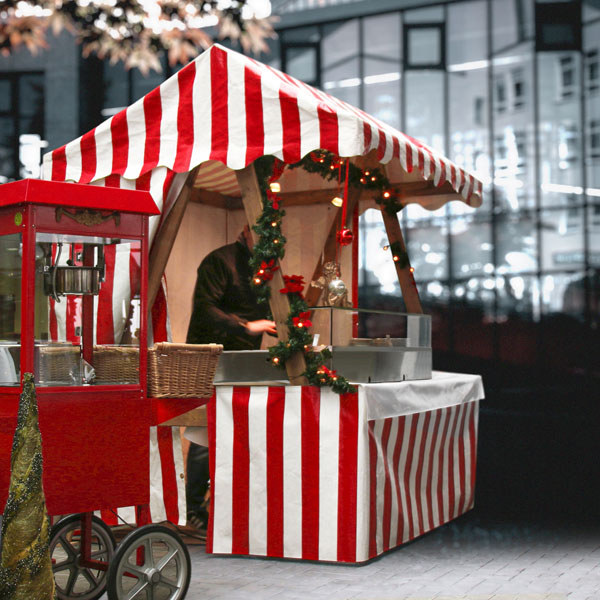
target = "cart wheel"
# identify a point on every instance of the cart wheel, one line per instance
(151, 563)
(72, 580)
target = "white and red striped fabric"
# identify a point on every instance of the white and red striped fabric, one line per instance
(231, 109)
(301, 472)
(226, 110)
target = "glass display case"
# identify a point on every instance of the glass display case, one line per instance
(389, 346)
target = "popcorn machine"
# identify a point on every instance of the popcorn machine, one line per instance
(64, 249)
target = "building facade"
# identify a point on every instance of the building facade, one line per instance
(508, 89)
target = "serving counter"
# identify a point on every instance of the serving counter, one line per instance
(304, 473)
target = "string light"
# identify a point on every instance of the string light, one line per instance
(337, 201)
(273, 223)
(275, 187)
(386, 248)
(386, 194)
(396, 258)
(257, 281)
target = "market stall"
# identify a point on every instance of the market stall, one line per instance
(197, 144)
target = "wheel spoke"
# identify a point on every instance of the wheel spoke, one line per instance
(87, 574)
(67, 546)
(65, 564)
(133, 570)
(142, 586)
(172, 585)
(162, 563)
(73, 574)
(148, 556)
(98, 553)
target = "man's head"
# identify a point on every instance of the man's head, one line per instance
(246, 236)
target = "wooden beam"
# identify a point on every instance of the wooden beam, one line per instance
(165, 238)
(406, 280)
(279, 303)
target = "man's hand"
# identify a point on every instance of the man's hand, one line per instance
(261, 326)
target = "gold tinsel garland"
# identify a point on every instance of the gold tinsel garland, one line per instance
(25, 565)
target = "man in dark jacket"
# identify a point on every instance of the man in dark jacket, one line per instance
(225, 312)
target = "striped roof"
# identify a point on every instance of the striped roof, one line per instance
(230, 109)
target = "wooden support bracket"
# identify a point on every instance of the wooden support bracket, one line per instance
(279, 303)
(165, 238)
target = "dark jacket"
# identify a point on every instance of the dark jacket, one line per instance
(224, 300)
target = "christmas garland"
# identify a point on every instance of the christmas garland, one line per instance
(271, 247)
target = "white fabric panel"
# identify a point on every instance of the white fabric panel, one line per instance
(202, 116)
(136, 126)
(379, 485)
(292, 473)
(121, 290)
(272, 120)
(223, 493)
(393, 479)
(257, 442)
(157, 507)
(73, 154)
(169, 97)
(236, 151)
(329, 435)
(408, 397)
(402, 462)
(104, 147)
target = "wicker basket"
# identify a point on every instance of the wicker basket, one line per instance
(182, 370)
(58, 364)
(116, 364)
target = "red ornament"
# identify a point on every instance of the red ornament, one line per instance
(345, 236)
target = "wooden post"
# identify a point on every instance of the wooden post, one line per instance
(406, 280)
(279, 303)
(165, 238)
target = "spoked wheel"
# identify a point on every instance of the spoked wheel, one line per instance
(73, 581)
(151, 563)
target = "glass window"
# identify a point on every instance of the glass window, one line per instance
(5, 95)
(377, 273)
(300, 34)
(466, 31)
(425, 99)
(382, 36)
(7, 146)
(516, 244)
(594, 233)
(427, 249)
(340, 43)
(559, 130)
(10, 309)
(435, 14)
(471, 248)
(342, 81)
(70, 270)
(505, 24)
(424, 46)
(592, 70)
(562, 239)
(514, 148)
(382, 90)
(301, 62)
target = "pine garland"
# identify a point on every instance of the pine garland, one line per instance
(330, 167)
(271, 247)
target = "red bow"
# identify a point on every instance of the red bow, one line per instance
(302, 320)
(294, 284)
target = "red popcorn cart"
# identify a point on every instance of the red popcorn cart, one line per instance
(60, 246)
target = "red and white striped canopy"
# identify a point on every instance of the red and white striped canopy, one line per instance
(226, 110)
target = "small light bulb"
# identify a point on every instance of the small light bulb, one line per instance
(363, 180)
(386, 194)
(275, 360)
(412, 269)
(337, 201)
(396, 258)
(386, 248)
(257, 281)
(367, 173)
(276, 241)
(373, 178)
(275, 187)
(273, 223)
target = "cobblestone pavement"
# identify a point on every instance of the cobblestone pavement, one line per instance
(464, 560)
